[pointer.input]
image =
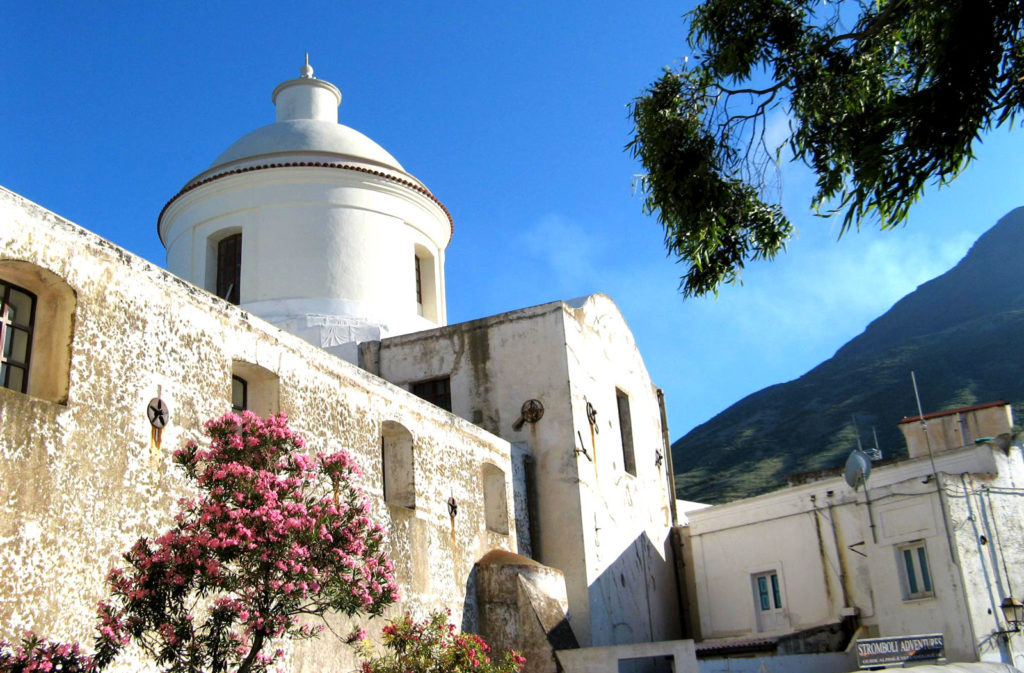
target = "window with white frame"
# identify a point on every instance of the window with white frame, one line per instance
(768, 595)
(915, 573)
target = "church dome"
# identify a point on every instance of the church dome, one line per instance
(306, 136)
(314, 227)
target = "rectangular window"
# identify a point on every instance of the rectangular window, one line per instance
(17, 314)
(768, 595)
(419, 285)
(768, 601)
(626, 432)
(435, 391)
(239, 394)
(914, 570)
(229, 268)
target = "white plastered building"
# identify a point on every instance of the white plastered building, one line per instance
(795, 578)
(315, 286)
(331, 238)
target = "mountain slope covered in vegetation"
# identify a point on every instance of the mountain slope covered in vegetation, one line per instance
(960, 332)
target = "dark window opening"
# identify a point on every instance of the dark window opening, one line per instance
(419, 285)
(229, 268)
(239, 394)
(435, 391)
(17, 314)
(626, 432)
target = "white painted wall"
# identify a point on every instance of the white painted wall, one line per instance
(605, 529)
(81, 481)
(327, 249)
(625, 519)
(818, 538)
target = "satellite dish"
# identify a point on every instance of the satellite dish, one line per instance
(858, 467)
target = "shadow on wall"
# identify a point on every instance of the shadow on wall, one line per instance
(636, 600)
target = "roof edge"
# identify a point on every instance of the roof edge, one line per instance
(305, 164)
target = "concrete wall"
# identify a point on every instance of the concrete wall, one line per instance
(986, 510)
(626, 515)
(495, 364)
(819, 540)
(605, 529)
(80, 478)
(954, 429)
(836, 662)
(676, 656)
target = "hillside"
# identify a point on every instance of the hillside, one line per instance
(960, 332)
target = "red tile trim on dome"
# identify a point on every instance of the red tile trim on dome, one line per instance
(306, 164)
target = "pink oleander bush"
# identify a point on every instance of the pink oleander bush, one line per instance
(276, 538)
(35, 655)
(435, 646)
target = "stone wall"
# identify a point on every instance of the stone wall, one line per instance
(602, 522)
(81, 476)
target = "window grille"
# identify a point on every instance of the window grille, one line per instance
(435, 391)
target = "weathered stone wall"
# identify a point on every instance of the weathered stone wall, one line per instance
(986, 510)
(625, 500)
(604, 528)
(952, 429)
(81, 479)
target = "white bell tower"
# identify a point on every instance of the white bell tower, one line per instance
(314, 227)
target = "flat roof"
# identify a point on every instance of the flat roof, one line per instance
(948, 412)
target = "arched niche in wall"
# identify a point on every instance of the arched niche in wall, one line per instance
(46, 325)
(398, 465)
(495, 502)
(254, 388)
(426, 283)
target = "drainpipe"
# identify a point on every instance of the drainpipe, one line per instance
(667, 448)
(839, 555)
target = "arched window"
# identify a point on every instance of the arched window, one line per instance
(254, 388)
(426, 283)
(495, 503)
(224, 265)
(37, 310)
(398, 465)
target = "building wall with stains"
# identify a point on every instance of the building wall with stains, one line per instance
(838, 558)
(956, 428)
(604, 528)
(626, 515)
(81, 476)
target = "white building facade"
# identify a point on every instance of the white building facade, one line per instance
(314, 227)
(815, 567)
(307, 277)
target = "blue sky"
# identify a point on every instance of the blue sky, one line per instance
(514, 116)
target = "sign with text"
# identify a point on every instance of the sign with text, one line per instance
(888, 651)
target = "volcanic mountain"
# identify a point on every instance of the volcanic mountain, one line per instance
(961, 333)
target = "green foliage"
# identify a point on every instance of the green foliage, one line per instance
(883, 98)
(434, 646)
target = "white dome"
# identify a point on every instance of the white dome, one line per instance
(308, 135)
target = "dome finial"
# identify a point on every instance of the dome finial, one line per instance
(307, 70)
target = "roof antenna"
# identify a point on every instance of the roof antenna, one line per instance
(935, 471)
(860, 447)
